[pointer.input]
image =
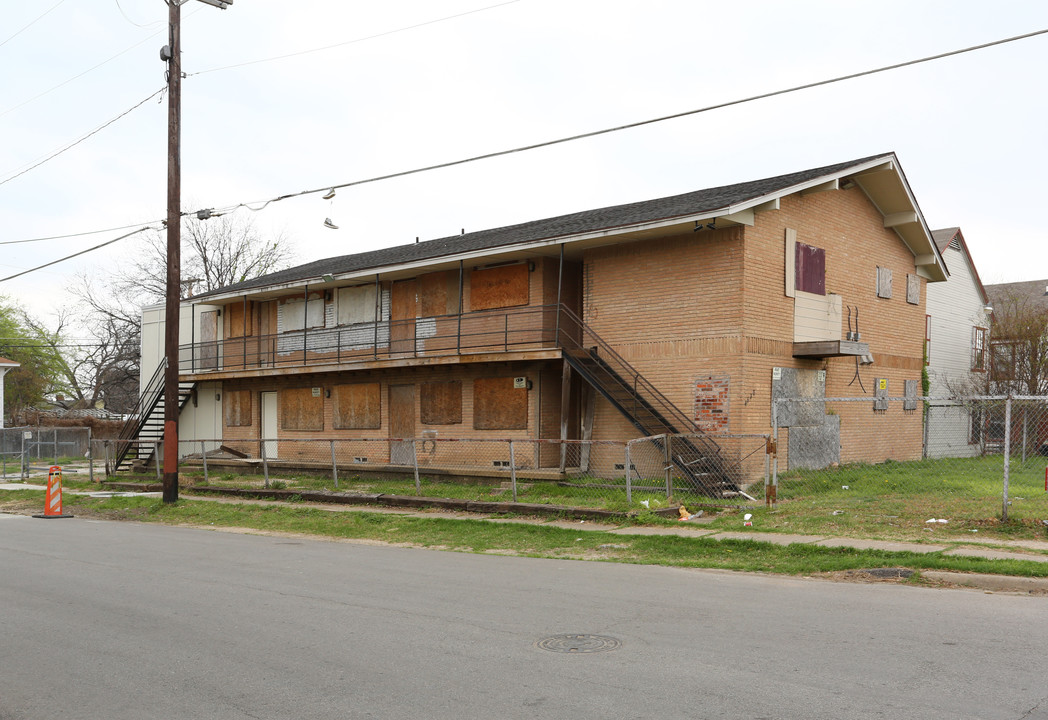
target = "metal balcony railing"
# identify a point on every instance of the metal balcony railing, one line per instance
(528, 328)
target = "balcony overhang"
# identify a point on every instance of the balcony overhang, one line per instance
(363, 365)
(829, 348)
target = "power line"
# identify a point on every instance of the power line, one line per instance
(85, 137)
(641, 123)
(549, 143)
(70, 257)
(79, 234)
(78, 76)
(351, 42)
(40, 17)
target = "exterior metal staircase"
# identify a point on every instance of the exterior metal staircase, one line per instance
(698, 458)
(144, 428)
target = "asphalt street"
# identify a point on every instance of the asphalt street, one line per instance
(125, 620)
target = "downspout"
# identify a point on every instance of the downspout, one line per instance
(305, 321)
(458, 335)
(378, 312)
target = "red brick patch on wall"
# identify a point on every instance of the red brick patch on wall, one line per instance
(711, 403)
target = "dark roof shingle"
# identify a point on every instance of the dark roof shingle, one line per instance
(691, 203)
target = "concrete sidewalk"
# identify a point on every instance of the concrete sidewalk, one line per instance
(1036, 551)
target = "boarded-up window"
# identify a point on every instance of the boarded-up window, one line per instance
(499, 287)
(239, 319)
(884, 282)
(301, 409)
(209, 340)
(437, 294)
(441, 403)
(296, 313)
(358, 406)
(356, 305)
(237, 406)
(810, 269)
(497, 405)
(913, 289)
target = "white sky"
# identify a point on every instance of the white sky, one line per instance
(970, 131)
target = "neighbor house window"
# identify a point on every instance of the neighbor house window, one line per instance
(927, 339)
(979, 348)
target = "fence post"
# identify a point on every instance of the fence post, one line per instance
(90, 457)
(265, 464)
(156, 457)
(54, 438)
(203, 457)
(414, 462)
(513, 470)
(629, 484)
(669, 465)
(334, 465)
(1007, 453)
(775, 442)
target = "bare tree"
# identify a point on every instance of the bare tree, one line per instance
(1018, 341)
(216, 252)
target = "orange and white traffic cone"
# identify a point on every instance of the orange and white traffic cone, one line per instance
(53, 502)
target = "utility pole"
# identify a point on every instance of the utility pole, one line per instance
(172, 54)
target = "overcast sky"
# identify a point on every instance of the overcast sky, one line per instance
(969, 130)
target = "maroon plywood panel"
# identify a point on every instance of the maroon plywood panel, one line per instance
(499, 287)
(441, 402)
(237, 405)
(358, 406)
(810, 269)
(300, 410)
(497, 405)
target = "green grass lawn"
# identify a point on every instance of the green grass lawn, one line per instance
(534, 539)
(891, 501)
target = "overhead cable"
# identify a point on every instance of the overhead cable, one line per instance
(70, 257)
(351, 42)
(651, 121)
(39, 17)
(325, 188)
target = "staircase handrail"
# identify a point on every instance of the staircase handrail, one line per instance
(608, 352)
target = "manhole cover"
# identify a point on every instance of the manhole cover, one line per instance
(572, 643)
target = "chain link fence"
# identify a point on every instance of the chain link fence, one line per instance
(698, 470)
(964, 457)
(31, 449)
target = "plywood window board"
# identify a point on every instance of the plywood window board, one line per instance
(300, 409)
(437, 294)
(239, 319)
(497, 405)
(237, 407)
(356, 304)
(441, 402)
(357, 406)
(499, 287)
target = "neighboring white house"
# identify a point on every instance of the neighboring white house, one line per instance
(5, 365)
(956, 346)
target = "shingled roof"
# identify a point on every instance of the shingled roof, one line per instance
(587, 221)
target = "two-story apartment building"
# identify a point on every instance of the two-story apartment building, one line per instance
(682, 314)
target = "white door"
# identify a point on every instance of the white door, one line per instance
(269, 423)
